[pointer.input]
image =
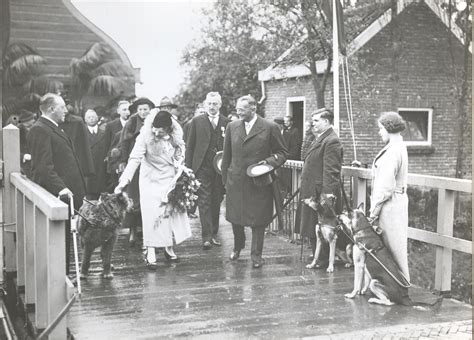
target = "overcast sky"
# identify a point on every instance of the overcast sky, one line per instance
(153, 33)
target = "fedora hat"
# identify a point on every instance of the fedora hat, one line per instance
(260, 174)
(141, 101)
(217, 162)
(167, 102)
(25, 116)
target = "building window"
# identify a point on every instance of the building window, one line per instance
(419, 122)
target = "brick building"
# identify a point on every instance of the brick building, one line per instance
(402, 62)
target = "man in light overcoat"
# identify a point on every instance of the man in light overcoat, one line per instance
(205, 138)
(321, 170)
(250, 140)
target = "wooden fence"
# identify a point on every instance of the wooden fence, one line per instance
(357, 180)
(36, 253)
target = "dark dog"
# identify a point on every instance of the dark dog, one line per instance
(387, 284)
(97, 225)
(327, 231)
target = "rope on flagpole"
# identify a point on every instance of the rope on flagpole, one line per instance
(348, 100)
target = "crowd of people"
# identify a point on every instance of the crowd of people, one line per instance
(145, 147)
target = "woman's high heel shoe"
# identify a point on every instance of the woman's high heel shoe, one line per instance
(150, 258)
(170, 255)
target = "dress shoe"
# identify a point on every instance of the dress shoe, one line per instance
(191, 215)
(206, 245)
(257, 264)
(234, 255)
(170, 255)
(215, 242)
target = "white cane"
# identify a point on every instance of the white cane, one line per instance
(74, 241)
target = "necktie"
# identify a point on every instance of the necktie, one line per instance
(213, 121)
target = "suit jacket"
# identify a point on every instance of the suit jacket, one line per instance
(76, 129)
(322, 166)
(96, 184)
(247, 203)
(293, 143)
(111, 128)
(199, 137)
(54, 164)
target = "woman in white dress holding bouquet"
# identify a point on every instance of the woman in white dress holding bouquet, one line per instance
(159, 150)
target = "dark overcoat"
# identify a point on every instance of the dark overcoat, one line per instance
(292, 139)
(54, 164)
(198, 139)
(246, 203)
(322, 166)
(76, 129)
(96, 184)
(111, 129)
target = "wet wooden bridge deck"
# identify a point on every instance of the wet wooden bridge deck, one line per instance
(206, 295)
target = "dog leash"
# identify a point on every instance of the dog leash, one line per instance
(103, 205)
(362, 246)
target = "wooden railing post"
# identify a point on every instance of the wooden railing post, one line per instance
(20, 240)
(41, 270)
(11, 158)
(444, 227)
(29, 238)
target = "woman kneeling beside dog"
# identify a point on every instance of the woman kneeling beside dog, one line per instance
(159, 150)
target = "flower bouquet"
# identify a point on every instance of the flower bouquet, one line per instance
(182, 195)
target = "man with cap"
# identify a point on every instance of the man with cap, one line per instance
(204, 139)
(321, 171)
(26, 119)
(250, 140)
(140, 109)
(54, 164)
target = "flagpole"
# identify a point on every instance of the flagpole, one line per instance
(335, 66)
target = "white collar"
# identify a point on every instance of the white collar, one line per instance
(251, 122)
(123, 121)
(52, 121)
(93, 129)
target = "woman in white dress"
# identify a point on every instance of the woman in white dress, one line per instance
(389, 200)
(159, 150)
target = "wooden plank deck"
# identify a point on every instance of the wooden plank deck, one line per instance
(206, 295)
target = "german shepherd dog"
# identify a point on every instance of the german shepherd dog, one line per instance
(379, 272)
(327, 231)
(97, 225)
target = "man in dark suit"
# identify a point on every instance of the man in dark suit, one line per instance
(321, 170)
(250, 140)
(292, 138)
(95, 184)
(205, 138)
(111, 141)
(54, 164)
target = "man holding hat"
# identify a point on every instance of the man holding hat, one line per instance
(321, 171)
(249, 141)
(140, 109)
(205, 138)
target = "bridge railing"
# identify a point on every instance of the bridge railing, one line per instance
(36, 253)
(357, 180)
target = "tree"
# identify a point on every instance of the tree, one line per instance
(24, 78)
(99, 72)
(237, 41)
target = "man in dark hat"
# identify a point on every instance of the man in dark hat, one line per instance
(321, 171)
(204, 140)
(250, 140)
(166, 104)
(140, 109)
